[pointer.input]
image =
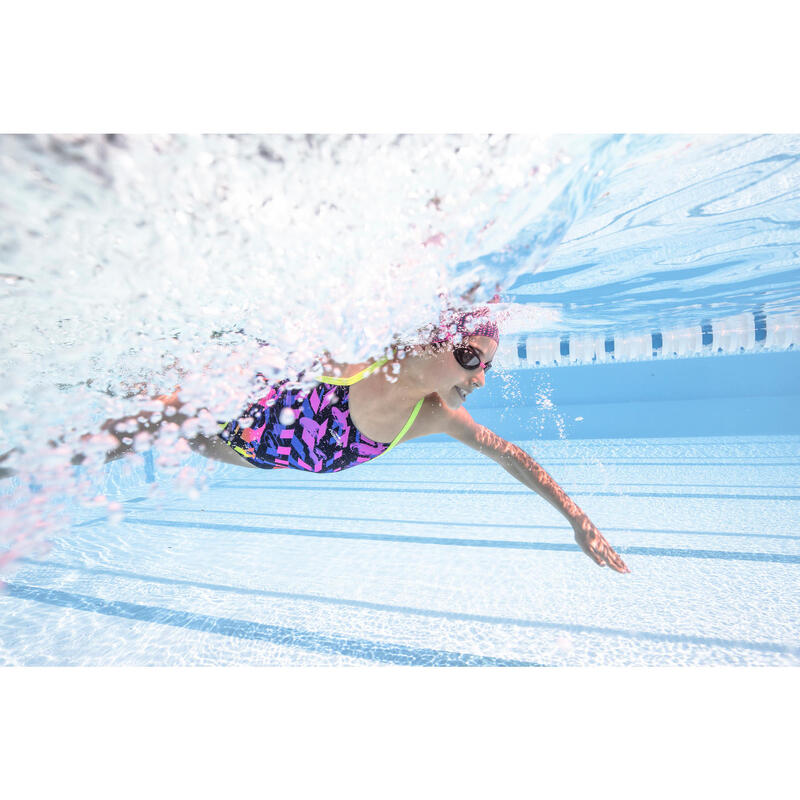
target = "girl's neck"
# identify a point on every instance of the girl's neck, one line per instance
(404, 380)
(407, 378)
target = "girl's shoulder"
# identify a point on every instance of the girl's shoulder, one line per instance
(342, 370)
(435, 417)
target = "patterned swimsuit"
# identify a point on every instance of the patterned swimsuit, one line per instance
(307, 430)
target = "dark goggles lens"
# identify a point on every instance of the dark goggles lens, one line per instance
(469, 358)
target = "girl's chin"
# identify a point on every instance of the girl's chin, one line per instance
(452, 399)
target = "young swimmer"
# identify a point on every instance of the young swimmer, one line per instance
(354, 414)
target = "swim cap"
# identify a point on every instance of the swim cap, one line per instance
(475, 322)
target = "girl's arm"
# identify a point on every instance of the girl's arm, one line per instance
(462, 427)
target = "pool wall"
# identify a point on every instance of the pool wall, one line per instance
(726, 395)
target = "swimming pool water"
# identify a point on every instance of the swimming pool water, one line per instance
(433, 556)
(651, 318)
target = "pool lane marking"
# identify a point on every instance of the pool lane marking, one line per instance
(282, 486)
(725, 555)
(386, 652)
(494, 524)
(458, 616)
(441, 523)
(606, 462)
(573, 486)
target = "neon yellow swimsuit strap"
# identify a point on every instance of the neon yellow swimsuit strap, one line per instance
(363, 374)
(408, 424)
(353, 378)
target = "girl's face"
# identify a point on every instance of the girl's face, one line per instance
(454, 382)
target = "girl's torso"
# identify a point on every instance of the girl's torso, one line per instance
(309, 429)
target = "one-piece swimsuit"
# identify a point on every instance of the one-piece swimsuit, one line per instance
(309, 430)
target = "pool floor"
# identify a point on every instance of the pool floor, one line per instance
(432, 555)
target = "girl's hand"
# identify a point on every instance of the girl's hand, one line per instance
(594, 544)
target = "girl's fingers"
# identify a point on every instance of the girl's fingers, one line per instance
(602, 553)
(619, 565)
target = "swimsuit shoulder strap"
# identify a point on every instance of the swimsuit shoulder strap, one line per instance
(363, 374)
(353, 378)
(408, 424)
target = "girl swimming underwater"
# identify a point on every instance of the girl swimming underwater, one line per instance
(356, 412)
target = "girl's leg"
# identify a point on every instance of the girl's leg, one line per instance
(214, 448)
(7, 472)
(124, 430)
(148, 422)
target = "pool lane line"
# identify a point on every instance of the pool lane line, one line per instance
(725, 555)
(518, 492)
(606, 462)
(385, 652)
(521, 526)
(574, 486)
(483, 525)
(457, 616)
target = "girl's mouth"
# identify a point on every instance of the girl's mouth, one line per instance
(461, 393)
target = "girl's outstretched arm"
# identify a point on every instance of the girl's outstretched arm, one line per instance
(461, 426)
(530, 473)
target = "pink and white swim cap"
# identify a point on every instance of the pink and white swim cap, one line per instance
(460, 324)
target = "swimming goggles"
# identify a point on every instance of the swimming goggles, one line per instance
(469, 358)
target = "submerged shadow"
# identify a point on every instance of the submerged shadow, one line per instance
(484, 525)
(654, 636)
(607, 461)
(502, 544)
(385, 652)
(574, 487)
(368, 487)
